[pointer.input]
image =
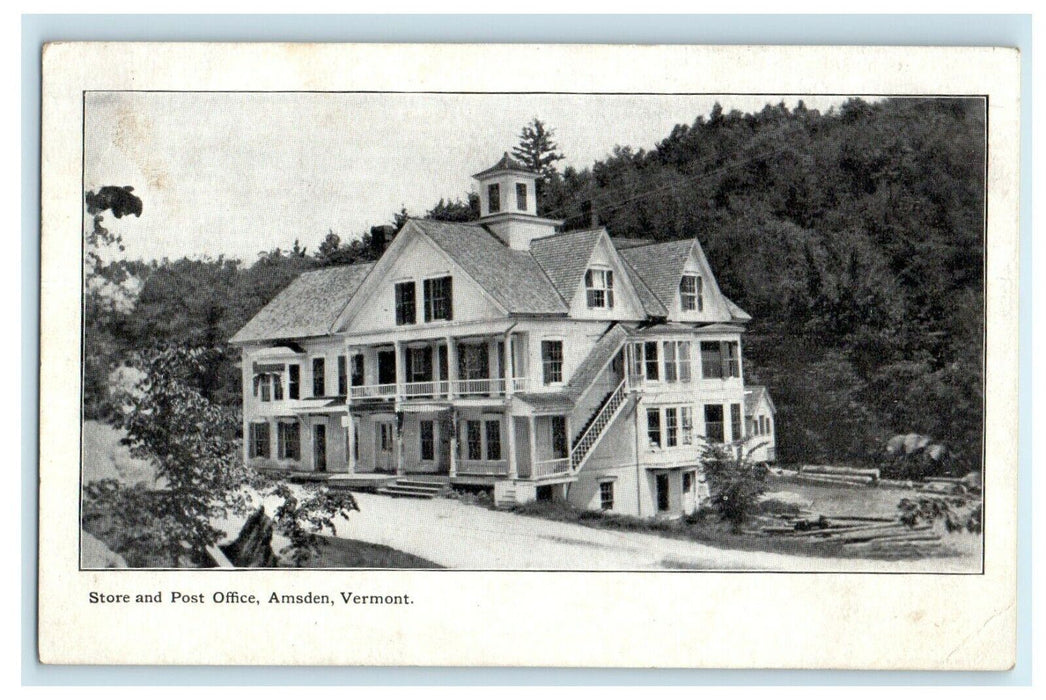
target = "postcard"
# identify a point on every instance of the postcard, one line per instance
(529, 355)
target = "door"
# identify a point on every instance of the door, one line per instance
(689, 492)
(319, 446)
(384, 450)
(386, 367)
(662, 492)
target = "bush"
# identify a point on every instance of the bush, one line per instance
(734, 484)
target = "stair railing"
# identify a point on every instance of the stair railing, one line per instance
(591, 436)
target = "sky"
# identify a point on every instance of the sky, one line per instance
(236, 174)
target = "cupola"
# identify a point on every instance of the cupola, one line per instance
(508, 204)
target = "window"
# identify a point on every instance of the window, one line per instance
(650, 357)
(521, 196)
(606, 495)
(473, 361)
(294, 381)
(732, 361)
(428, 440)
(493, 440)
(419, 364)
(357, 370)
(653, 427)
(474, 439)
(769, 429)
(677, 361)
(711, 360)
(405, 303)
(343, 376)
(691, 293)
(259, 440)
(268, 386)
(438, 299)
(671, 427)
(735, 421)
(318, 380)
(559, 436)
(686, 420)
(385, 436)
(599, 289)
(683, 359)
(714, 422)
(688, 482)
(552, 361)
(493, 198)
(288, 438)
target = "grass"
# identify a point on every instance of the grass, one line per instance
(340, 553)
(706, 527)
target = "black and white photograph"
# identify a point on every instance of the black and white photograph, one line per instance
(537, 331)
(462, 355)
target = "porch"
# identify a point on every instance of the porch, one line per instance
(449, 367)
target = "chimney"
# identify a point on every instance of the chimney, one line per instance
(588, 213)
(379, 236)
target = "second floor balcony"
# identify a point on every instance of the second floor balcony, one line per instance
(491, 387)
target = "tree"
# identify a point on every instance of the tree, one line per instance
(537, 150)
(455, 210)
(193, 444)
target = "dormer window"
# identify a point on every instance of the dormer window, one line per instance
(493, 198)
(521, 196)
(599, 289)
(691, 293)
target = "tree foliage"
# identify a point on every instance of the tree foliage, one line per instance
(195, 447)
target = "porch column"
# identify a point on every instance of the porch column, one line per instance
(350, 443)
(533, 445)
(452, 369)
(513, 467)
(453, 471)
(507, 369)
(400, 369)
(399, 443)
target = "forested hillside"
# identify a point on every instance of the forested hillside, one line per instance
(854, 238)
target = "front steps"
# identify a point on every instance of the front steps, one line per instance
(412, 488)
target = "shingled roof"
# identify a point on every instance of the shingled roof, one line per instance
(565, 257)
(507, 163)
(753, 394)
(307, 307)
(512, 277)
(660, 265)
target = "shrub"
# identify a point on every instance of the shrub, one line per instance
(733, 483)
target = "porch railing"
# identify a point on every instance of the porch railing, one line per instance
(550, 467)
(468, 468)
(439, 389)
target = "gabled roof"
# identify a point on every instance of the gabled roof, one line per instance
(736, 312)
(651, 304)
(564, 257)
(660, 265)
(506, 164)
(512, 278)
(307, 307)
(754, 393)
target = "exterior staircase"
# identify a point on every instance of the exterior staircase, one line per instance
(412, 488)
(597, 426)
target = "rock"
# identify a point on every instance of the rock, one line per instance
(253, 546)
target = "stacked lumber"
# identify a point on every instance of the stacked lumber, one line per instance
(875, 534)
(846, 476)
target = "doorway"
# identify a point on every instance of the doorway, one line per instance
(661, 482)
(386, 367)
(384, 448)
(319, 446)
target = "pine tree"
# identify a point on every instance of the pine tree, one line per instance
(537, 150)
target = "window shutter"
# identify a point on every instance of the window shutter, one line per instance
(428, 300)
(450, 298)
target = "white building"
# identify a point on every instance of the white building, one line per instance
(502, 353)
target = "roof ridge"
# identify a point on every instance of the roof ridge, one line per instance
(563, 234)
